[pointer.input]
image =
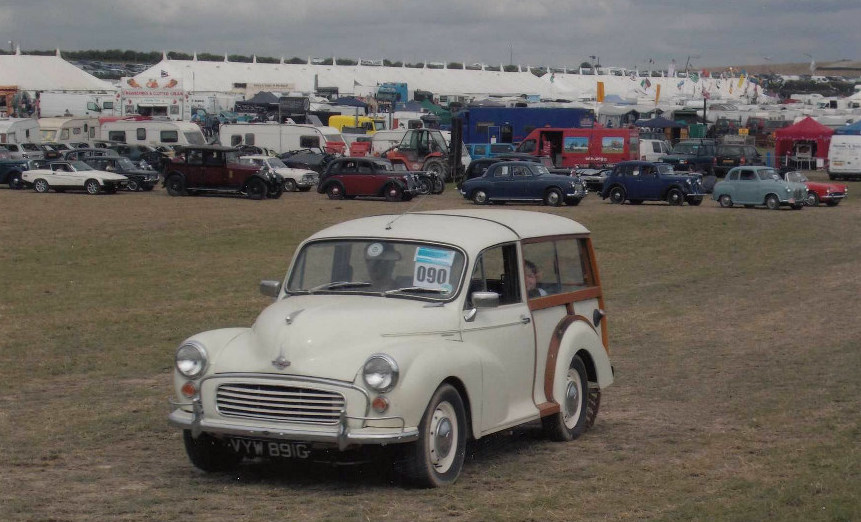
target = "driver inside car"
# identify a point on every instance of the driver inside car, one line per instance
(380, 262)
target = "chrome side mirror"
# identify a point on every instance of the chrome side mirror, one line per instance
(270, 288)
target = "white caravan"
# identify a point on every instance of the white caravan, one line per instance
(281, 137)
(69, 130)
(844, 156)
(19, 130)
(153, 132)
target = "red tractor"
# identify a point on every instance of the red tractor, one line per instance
(422, 149)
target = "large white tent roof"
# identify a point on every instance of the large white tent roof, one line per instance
(206, 76)
(47, 73)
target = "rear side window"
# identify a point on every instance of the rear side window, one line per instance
(562, 265)
(308, 142)
(169, 136)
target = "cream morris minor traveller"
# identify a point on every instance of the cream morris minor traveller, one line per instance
(418, 332)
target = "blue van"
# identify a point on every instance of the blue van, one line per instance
(488, 150)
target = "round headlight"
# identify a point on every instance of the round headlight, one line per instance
(191, 360)
(380, 372)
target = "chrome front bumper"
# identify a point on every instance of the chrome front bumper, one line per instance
(341, 435)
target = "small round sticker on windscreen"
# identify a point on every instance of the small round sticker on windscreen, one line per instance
(374, 250)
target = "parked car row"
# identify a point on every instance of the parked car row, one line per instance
(216, 169)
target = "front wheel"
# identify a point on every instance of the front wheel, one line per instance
(725, 201)
(617, 195)
(276, 192)
(92, 186)
(772, 202)
(571, 420)
(175, 185)
(133, 185)
(436, 459)
(438, 185)
(209, 454)
(479, 197)
(394, 193)
(425, 186)
(334, 191)
(289, 185)
(553, 197)
(675, 197)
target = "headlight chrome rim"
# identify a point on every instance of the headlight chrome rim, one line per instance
(197, 368)
(376, 376)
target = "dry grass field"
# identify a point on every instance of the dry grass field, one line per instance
(735, 336)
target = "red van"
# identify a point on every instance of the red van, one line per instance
(580, 148)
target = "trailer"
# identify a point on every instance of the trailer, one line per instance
(513, 124)
(282, 137)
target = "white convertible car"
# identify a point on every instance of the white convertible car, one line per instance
(73, 175)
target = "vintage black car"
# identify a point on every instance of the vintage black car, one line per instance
(139, 179)
(522, 181)
(366, 176)
(638, 181)
(693, 155)
(11, 169)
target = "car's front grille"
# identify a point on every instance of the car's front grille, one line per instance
(279, 403)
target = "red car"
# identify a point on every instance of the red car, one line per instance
(819, 191)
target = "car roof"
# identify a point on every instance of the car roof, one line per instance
(471, 229)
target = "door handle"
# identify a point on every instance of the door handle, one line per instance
(525, 319)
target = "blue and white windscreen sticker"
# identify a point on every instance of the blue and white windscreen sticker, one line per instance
(433, 268)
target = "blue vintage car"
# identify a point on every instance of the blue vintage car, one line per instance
(638, 181)
(524, 181)
(753, 185)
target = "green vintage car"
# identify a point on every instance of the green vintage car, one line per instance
(755, 185)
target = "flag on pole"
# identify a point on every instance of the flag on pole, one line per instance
(694, 77)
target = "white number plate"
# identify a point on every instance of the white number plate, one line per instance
(271, 448)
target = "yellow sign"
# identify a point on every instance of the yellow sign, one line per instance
(743, 131)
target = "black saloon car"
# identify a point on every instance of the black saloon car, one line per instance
(139, 179)
(638, 181)
(522, 181)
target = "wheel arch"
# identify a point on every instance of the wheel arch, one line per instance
(580, 338)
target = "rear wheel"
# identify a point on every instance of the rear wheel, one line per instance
(41, 186)
(275, 194)
(571, 420)
(256, 189)
(437, 167)
(15, 182)
(438, 185)
(617, 195)
(812, 199)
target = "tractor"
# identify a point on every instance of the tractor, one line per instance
(422, 149)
